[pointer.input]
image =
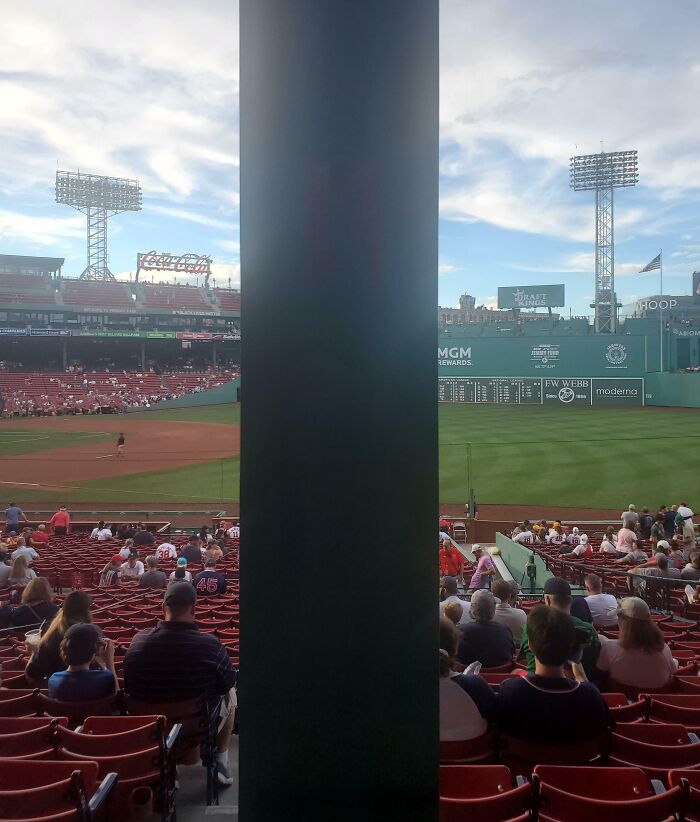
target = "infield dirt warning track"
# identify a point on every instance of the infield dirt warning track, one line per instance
(151, 445)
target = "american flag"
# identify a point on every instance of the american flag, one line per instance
(653, 265)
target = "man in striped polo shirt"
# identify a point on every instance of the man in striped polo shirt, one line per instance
(175, 661)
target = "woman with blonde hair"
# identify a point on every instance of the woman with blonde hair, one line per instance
(46, 660)
(37, 605)
(21, 574)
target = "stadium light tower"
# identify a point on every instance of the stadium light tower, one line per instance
(99, 198)
(603, 173)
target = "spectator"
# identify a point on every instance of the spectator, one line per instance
(676, 555)
(485, 568)
(126, 532)
(454, 612)
(658, 532)
(574, 537)
(483, 639)
(204, 535)
(143, 537)
(525, 535)
(660, 569)
(37, 605)
(630, 518)
(133, 570)
(127, 549)
(13, 515)
(83, 645)
(448, 595)
(556, 535)
(153, 578)
(234, 532)
(109, 578)
(180, 574)
(669, 521)
(174, 662)
(5, 569)
(545, 707)
(636, 555)
(646, 521)
(600, 604)
(467, 703)
(213, 551)
(451, 560)
(557, 595)
(639, 658)
(210, 582)
(60, 522)
(626, 540)
(692, 569)
(584, 548)
(102, 533)
(40, 535)
(24, 550)
(192, 552)
(684, 521)
(506, 613)
(46, 660)
(607, 547)
(21, 574)
(166, 550)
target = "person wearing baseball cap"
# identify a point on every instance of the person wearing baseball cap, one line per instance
(484, 570)
(557, 594)
(175, 661)
(180, 574)
(82, 645)
(109, 578)
(640, 658)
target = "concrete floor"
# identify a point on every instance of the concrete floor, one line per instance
(191, 795)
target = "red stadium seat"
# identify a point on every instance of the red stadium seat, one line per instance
(481, 793)
(480, 749)
(621, 710)
(690, 780)
(566, 794)
(50, 791)
(522, 756)
(29, 737)
(654, 748)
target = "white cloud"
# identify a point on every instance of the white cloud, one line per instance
(44, 231)
(192, 217)
(448, 268)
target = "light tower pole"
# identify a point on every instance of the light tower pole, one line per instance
(98, 198)
(603, 173)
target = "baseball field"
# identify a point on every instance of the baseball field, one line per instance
(588, 458)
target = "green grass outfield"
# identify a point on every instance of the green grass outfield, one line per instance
(520, 455)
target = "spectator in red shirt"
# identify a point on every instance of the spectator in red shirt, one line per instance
(451, 560)
(40, 535)
(60, 521)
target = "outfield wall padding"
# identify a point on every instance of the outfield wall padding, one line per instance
(221, 395)
(679, 390)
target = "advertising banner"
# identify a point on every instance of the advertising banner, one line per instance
(14, 332)
(595, 355)
(49, 332)
(530, 296)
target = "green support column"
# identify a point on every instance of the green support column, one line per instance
(339, 481)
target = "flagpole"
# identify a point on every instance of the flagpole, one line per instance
(661, 310)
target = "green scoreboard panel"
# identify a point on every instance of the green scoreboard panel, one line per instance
(575, 391)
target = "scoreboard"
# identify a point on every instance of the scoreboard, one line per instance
(574, 391)
(507, 390)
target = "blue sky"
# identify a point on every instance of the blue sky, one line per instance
(150, 90)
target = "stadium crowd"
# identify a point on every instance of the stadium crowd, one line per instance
(81, 392)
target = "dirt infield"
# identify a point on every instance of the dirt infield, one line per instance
(151, 445)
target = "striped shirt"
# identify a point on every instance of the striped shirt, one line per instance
(175, 661)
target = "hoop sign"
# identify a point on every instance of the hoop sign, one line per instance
(530, 296)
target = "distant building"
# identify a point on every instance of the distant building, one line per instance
(469, 312)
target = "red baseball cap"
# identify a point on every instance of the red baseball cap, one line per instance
(117, 559)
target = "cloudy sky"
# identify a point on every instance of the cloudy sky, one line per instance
(150, 90)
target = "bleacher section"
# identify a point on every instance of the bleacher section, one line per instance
(124, 743)
(109, 295)
(228, 300)
(26, 289)
(91, 389)
(175, 298)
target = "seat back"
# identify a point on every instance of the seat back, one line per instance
(45, 788)
(521, 756)
(480, 749)
(35, 739)
(76, 712)
(91, 744)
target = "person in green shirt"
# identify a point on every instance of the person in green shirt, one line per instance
(557, 594)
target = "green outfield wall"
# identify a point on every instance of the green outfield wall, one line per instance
(618, 355)
(679, 390)
(221, 395)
